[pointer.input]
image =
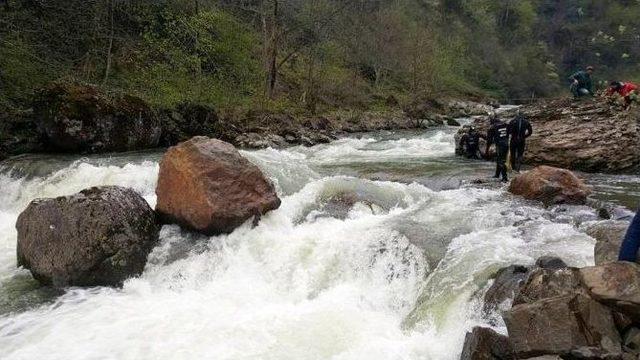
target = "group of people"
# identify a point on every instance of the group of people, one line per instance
(582, 86)
(509, 138)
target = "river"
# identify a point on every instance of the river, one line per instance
(381, 250)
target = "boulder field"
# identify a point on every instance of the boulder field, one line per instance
(97, 237)
(206, 185)
(560, 312)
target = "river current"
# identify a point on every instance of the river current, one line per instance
(381, 250)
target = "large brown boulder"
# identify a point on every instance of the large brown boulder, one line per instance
(206, 185)
(589, 136)
(81, 118)
(100, 236)
(561, 325)
(551, 186)
(485, 344)
(616, 284)
(609, 236)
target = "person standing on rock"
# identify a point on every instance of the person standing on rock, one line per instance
(499, 134)
(519, 130)
(581, 83)
(631, 243)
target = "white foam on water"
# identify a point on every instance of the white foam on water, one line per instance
(295, 286)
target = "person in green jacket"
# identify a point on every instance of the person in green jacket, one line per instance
(581, 83)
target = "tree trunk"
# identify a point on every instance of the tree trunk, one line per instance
(110, 49)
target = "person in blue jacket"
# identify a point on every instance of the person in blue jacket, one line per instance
(631, 243)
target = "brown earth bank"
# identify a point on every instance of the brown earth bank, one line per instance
(591, 135)
(80, 118)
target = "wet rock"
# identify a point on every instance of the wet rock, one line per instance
(452, 122)
(560, 325)
(486, 344)
(548, 283)
(609, 236)
(100, 236)
(616, 284)
(506, 284)
(631, 340)
(550, 262)
(80, 118)
(206, 185)
(592, 353)
(546, 357)
(550, 186)
(623, 322)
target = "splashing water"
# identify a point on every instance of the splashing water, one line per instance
(393, 276)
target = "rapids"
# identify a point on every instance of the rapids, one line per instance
(398, 275)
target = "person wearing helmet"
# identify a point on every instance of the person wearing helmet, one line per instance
(470, 143)
(627, 90)
(519, 130)
(581, 83)
(498, 134)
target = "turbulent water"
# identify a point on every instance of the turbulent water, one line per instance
(380, 250)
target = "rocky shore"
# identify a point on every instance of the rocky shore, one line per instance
(80, 118)
(590, 135)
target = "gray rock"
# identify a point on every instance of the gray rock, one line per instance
(609, 236)
(550, 262)
(486, 344)
(100, 236)
(548, 283)
(561, 325)
(505, 286)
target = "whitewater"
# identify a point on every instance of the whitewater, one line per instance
(396, 272)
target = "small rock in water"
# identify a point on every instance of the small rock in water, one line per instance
(98, 237)
(505, 286)
(550, 186)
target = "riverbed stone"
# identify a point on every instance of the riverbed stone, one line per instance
(506, 284)
(609, 236)
(547, 283)
(616, 284)
(206, 185)
(486, 344)
(551, 186)
(631, 340)
(560, 325)
(98, 237)
(550, 262)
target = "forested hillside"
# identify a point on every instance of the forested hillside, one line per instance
(303, 55)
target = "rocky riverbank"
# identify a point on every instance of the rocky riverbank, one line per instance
(591, 135)
(80, 118)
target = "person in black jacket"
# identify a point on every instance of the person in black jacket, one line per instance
(519, 130)
(470, 143)
(499, 134)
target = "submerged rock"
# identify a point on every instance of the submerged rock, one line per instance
(100, 236)
(81, 118)
(609, 236)
(560, 325)
(551, 186)
(206, 185)
(485, 344)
